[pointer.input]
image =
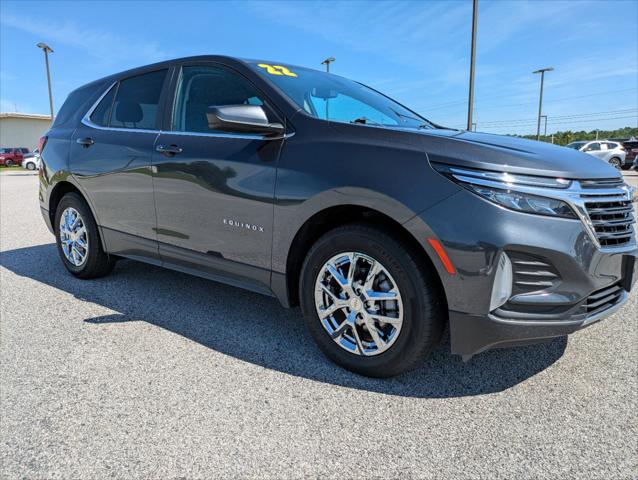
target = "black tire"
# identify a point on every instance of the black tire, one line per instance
(30, 166)
(615, 162)
(8, 163)
(98, 263)
(424, 315)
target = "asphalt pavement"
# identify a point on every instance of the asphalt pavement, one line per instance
(150, 373)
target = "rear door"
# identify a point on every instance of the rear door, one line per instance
(214, 193)
(111, 154)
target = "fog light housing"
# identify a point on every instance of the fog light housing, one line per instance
(502, 287)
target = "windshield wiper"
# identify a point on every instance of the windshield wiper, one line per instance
(366, 121)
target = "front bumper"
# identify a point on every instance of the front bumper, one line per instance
(475, 232)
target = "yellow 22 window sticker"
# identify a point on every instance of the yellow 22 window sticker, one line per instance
(277, 70)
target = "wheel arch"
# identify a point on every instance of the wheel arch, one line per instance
(332, 217)
(60, 189)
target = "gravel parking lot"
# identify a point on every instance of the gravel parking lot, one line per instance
(154, 374)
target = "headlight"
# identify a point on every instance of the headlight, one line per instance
(525, 202)
(512, 190)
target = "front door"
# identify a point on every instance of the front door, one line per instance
(111, 155)
(213, 190)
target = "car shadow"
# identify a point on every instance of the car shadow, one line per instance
(257, 329)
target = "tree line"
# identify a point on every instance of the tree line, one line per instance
(568, 136)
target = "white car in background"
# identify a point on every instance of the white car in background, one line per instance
(608, 151)
(32, 162)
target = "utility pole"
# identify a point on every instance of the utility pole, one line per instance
(545, 117)
(327, 63)
(46, 49)
(470, 101)
(540, 101)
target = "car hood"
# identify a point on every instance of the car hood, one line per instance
(512, 154)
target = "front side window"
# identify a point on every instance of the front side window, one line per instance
(136, 101)
(202, 87)
(335, 98)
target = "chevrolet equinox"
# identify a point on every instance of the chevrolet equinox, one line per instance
(384, 227)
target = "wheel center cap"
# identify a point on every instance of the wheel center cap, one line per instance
(356, 304)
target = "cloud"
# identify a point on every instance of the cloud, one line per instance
(102, 45)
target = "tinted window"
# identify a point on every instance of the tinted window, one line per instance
(593, 146)
(136, 101)
(77, 104)
(202, 87)
(102, 112)
(611, 146)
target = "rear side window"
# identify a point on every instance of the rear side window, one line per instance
(611, 146)
(594, 146)
(102, 113)
(136, 101)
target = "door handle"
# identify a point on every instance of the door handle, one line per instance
(168, 150)
(86, 142)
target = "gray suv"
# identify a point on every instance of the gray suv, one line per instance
(386, 228)
(607, 151)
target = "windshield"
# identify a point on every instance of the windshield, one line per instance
(575, 145)
(335, 98)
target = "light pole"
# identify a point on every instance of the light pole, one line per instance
(327, 63)
(470, 101)
(540, 101)
(545, 117)
(46, 49)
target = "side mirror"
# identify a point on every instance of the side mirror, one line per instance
(241, 119)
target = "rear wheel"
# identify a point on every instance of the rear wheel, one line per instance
(9, 163)
(368, 303)
(30, 166)
(78, 239)
(615, 162)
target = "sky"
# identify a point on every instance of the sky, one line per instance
(417, 52)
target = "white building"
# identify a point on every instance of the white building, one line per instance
(22, 129)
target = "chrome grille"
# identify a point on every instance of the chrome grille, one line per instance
(610, 211)
(603, 299)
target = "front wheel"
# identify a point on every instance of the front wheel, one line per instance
(30, 166)
(368, 302)
(615, 162)
(78, 239)
(8, 163)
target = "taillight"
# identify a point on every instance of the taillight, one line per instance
(42, 143)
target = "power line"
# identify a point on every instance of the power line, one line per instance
(445, 105)
(553, 118)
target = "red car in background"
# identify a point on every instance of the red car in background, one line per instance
(631, 147)
(12, 156)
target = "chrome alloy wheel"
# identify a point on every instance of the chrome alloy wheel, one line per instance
(358, 303)
(74, 237)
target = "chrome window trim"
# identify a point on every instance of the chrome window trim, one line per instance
(86, 120)
(575, 195)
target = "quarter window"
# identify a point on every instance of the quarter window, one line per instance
(136, 101)
(102, 112)
(202, 87)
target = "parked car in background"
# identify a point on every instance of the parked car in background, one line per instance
(12, 156)
(631, 150)
(608, 151)
(31, 161)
